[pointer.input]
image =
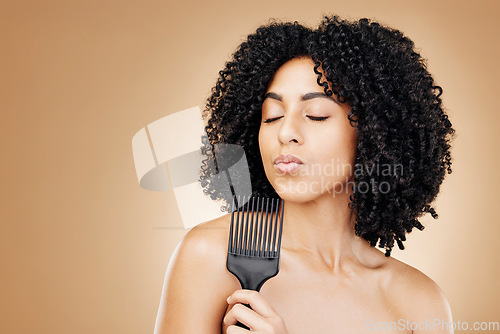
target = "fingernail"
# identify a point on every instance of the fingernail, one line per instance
(228, 299)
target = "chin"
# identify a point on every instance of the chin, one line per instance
(305, 191)
(296, 197)
(293, 192)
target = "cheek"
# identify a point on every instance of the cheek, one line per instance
(340, 145)
(260, 141)
(264, 135)
(263, 144)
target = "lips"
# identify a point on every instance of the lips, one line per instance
(287, 163)
(287, 158)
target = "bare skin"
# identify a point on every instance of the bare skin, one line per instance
(330, 280)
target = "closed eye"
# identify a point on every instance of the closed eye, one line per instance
(313, 118)
(319, 119)
(269, 120)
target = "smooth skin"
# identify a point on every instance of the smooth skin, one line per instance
(330, 280)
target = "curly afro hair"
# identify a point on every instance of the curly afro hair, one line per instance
(395, 107)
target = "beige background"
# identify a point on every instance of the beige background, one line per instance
(83, 249)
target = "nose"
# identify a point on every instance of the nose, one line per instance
(289, 131)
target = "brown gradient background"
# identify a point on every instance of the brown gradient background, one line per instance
(84, 249)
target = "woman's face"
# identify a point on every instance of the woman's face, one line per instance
(299, 119)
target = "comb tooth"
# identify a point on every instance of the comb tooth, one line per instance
(272, 230)
(239, 230)
(230, 242)
(249, 223)
(281, 227)
(267, 252)
(263, 252)
(250, 232)
(234, 228)
(255, 227)
(261, 225)
(245, 234)
(242, 228)
(275, 227)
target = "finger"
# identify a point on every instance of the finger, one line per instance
(256, 301)
(236, 330)
(244, 315)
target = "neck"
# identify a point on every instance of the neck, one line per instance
(324, 229)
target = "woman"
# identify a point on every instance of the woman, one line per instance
(353, 108)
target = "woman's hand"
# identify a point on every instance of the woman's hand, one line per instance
(261, 318)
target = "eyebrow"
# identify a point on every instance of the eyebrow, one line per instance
(305, 97)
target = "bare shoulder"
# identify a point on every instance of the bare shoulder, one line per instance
(419, 298)
(209, 236)
(197, 282)
(203, 251)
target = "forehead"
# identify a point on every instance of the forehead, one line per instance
(297, 75)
